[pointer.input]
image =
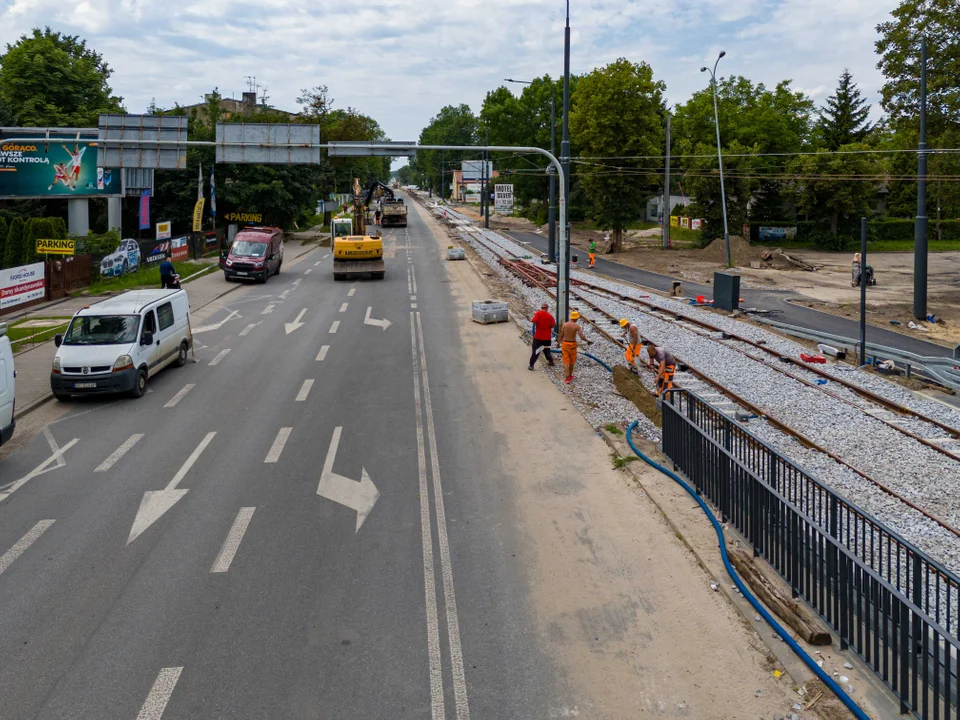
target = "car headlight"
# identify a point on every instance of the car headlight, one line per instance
(123, 362)
(229, 262)
(56, 364)
(258, 264)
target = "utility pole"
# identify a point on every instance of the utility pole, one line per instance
(921, 223)
(552, 213)
(666, 193)
(863, 292)
(485, 185)
(442, 167)
(563, 269)
(723, 194)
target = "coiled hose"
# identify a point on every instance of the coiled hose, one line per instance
(784, 635)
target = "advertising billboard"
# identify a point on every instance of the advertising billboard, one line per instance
(503, 197)
(61, 167)
(22, 284)
(778, 233)
(164, 230)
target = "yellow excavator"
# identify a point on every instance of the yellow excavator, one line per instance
(355, 251)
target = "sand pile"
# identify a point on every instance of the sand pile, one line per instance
(741, 251)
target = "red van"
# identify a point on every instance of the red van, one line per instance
(256, 254)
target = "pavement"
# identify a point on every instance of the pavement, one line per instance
(776, 302)
(350, 506)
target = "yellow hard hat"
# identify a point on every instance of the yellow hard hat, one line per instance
(624, 322)
(574, 315)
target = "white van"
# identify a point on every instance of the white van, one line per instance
(115, 345)
(8, 387)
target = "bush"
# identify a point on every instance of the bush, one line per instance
(98, 245)
(537, 213)
(3, 237)
(13, 252)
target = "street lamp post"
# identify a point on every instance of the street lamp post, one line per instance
(563, 268)
(552, 216)
(716, 119)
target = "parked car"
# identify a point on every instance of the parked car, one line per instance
(115, 345)
(256, 254)
(126, 258)
(8, 387)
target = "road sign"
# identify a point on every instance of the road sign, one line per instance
(372, 148)
(132, 141)
(164, 230)
(56, 247)
(299, 144)
(503, 198)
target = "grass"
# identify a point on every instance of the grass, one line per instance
(907, 246)
(22, 337)
(148, 277)
(613, 429)
(619, 461)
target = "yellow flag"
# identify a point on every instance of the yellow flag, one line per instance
(198, 215)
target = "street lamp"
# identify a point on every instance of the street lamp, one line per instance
(563, 270)
(551, 217)
(716, 119)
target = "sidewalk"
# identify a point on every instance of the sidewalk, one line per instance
(33, 365)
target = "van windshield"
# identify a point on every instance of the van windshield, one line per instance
(102, 330)
(246, 248)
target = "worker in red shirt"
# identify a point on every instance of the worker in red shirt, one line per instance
(543, 325)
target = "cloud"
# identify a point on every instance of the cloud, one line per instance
(402, 60)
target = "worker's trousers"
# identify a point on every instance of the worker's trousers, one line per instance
(665, 379)
(537, 345)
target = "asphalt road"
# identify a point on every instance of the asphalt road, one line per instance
(777, 302)
(196, 553)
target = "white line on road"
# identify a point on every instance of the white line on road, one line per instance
(413, 306)
(335, 326)
(160, 693)
(413, 273)
(268, 309)
(232, 542)
(304, 390)
(39, 470)
(278, 444)
(248, 328)
(316, 263)
(409, 281)
(7, 559)
(325, 256)
(121, 451)
(220, 356)
(450, 599)
(217, 325)
(323, 353)
(297, 282)
(413, 297)
(180, 395)
(351, 292)
(188, 463)
(343, 307)
(429, 575)
(283, 295)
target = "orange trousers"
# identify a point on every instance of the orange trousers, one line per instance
(569, 352)
(632, 353)
(593, 259)
(665, 378)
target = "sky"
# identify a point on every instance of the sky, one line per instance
(400, 61)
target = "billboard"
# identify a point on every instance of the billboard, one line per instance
(56, 247)
(22, 284)
(62, 167)
(503, 197)
(778, 233)
(474, 169)
(164, 230)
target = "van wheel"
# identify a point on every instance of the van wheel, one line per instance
(140, 386)
(338, 276)
(182, 355)
(279, 265)
(263, 280)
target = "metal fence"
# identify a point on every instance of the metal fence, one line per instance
(882, 596)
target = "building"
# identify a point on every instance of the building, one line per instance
(468, 189)
(246, 105)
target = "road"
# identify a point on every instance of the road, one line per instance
(325, 516)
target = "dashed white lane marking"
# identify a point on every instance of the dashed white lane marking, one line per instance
(220, 356)
(172, 402)
(413, 305)
(316, 263)
(122, 450)
(160, 693)
(278, 444)
(323, 353)
(283, 295)
(247, 329)
(7, 559)
(413, 297)
(232, 543)
(351, 292)
(335, 326)
(343, 307)
(413, 274)
(268, 309)
(325, 256)
(297, 282)
(308, 271)
(304, 390)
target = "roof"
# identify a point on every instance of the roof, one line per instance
(259, 229)
(127, 303)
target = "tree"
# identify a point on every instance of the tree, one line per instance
(13, 253)
(702, 181)
(618, 111)
(3, 238)
(50, 79)
(453, 125)
(843, 120)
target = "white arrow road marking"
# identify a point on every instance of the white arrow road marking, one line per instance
(160, 693)
(42, 468)
(367, 320)
(220, 356)
(248, 328)
(296, 324)
(334, 327)
(172, 402)
(304, 390)
(217, 326)
(121, 451)
(7, 559)
(268, 309)
(351, 292)
(274, 454)
(323, 353)
(156, 502)
(343, 307)
(359, 496)
(232, 543)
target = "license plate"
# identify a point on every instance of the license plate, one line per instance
(242, 273)
(80, 386)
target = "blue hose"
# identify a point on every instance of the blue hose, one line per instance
(555, 351)
(799, 651)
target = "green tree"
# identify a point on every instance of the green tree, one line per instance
(843, 120)
(59, 228)
(29, 241)
(3, 238)
(13, 253)
(453, 125)
(702, 181)
(618, 111)
(51, 79)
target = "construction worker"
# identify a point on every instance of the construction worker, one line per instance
(664, 363)
(631, 333)
(543, 324)
(593, 253)
(569, 332)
